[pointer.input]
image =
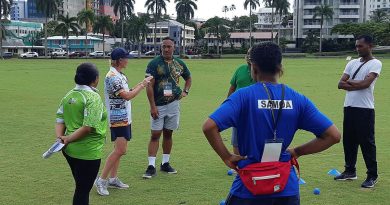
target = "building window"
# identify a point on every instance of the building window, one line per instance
(164, 30)
(158, 40)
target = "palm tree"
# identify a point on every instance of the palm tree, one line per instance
(271, 4)
(225, 9)
(67, 24)
(5, 7)
(379, 16)
(155, 7)
(325, 12)
(102, 25)
(125, 7)
(49, 8)
(87, 17)
(281, 8)
(232, 8)
(185, 10)
(253, 4)
(138, 29)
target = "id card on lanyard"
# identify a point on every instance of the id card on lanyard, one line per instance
(273, 147)
(167, 89)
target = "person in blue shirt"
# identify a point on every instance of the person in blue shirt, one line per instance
(250, 111)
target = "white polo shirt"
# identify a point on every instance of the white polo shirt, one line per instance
(362, 98)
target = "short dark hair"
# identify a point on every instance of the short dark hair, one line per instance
(168, 38)
(86, 73)
(367, 38)
(268, 57)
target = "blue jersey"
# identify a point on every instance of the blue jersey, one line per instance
(248, 109)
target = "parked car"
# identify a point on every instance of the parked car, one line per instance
(29, 55)
(96, 54)
(58, 53)
(151, 53)
(134, 53)
(76, 54)
(7, 54)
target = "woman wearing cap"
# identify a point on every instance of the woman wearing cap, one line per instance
(81, 125)
(118, 95)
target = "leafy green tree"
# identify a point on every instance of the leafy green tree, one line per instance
(325, 12)
(156, 7)
(66, 26)
(379, 16)
(281, 8)
(253, 4)
(87, 17)
(50, 9)
(5, 7)
(103, 24)
(185, 10)
(125, 8)
(138, 30)
(213, 27)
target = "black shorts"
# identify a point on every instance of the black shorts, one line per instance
(121, 132)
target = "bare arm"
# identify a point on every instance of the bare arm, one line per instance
(150, 93)
(212, 134)
(128, 95)
(76, 135)
(231, 90)
(330, 137)
(343, 84)
(363, 84)
(60, 129)
(187, 86)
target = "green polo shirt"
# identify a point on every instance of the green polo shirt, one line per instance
(164, 72)
(83, 106)
(242, 77)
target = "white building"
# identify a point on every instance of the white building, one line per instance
(373, 5)
(345, 11)
(170, 28)
(238, 39)
(73, 7)
(264, 23)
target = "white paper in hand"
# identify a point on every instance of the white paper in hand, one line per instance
(56, 147)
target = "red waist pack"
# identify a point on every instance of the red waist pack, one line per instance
(267, 177)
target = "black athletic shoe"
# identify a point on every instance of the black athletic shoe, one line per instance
(166, 167)
(370, 182)
(346, 176)
(150, 172)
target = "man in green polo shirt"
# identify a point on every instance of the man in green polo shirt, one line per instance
(164, 94)
(241, 78)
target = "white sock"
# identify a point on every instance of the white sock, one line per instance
(100, 179)
(152, 161)
(165, 158)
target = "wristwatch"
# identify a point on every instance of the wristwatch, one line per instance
(186, 91)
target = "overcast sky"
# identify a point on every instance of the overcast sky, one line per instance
(206, 8)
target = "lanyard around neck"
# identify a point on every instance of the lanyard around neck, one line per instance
(281, 104)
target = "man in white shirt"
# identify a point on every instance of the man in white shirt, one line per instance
(359, 116)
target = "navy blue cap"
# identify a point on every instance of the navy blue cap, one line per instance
(118, 53)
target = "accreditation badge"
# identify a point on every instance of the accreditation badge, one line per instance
(168, 89)
(272, 150)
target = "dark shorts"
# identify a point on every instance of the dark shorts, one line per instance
(120, 132)
(288, 200)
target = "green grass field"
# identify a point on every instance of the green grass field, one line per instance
(31, 90)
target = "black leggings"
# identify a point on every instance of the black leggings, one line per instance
(84, 173)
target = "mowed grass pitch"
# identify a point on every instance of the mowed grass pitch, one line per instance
(30, 92)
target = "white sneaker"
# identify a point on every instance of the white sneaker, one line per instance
(101, 187)
(116, 183)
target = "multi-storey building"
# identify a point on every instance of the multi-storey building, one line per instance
(18, 9)
(264, 23)
(345, 11)
(106, 9)
(173, 29)
(71, 7)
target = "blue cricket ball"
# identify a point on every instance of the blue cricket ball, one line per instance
(222, 202)
(230, 172)
(316, 191)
